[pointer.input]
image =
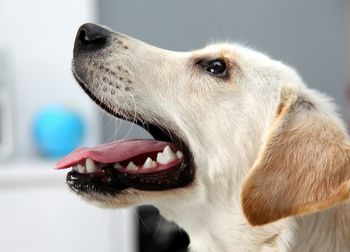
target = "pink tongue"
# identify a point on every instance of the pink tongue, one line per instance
(112, 152)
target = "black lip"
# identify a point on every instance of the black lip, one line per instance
(112, 181)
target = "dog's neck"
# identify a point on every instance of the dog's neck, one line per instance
(221, 226)
(225, 229)
(213, 217)
(328, 230)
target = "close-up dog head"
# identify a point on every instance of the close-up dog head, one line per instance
(237, 135)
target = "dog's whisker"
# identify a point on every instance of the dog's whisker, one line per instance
(112, 122)
(134, 117)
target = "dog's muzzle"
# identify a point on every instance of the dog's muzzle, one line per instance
(151, 165)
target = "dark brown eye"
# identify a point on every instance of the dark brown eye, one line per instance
(216, 67)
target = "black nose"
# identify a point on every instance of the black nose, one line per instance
(90, 37)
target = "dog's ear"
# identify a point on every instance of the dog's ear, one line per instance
(303, 166)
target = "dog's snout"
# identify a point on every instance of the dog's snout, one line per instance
(90, 37)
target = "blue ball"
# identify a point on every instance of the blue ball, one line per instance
(57, 131)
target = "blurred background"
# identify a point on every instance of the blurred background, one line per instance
(41, 105)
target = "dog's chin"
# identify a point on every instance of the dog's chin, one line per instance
(111, 187)
(126, 198)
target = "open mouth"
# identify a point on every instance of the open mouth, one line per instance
(153, 165)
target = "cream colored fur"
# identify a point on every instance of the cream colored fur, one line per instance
(234, 128)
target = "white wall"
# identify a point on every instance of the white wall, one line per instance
(38, 36)
(39, 214)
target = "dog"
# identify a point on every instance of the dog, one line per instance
(245, 156)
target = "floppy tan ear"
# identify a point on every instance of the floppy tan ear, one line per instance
(304, 165)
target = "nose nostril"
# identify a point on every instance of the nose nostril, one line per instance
(85, 38)
(82, 38)
(91, 37)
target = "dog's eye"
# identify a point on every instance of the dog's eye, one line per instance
(216, 67)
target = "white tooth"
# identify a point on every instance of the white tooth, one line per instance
(168, 159)
(179, 154)
(81, 168)
(160, 158)
(167, 150)
(168, 155)
(131, 167)
(117, 166)
(90, 165)
(154, 164)
(148, 163)
(164, 158)
(75, 168)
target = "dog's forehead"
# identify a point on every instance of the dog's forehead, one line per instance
(216, 50)
(231, 50)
